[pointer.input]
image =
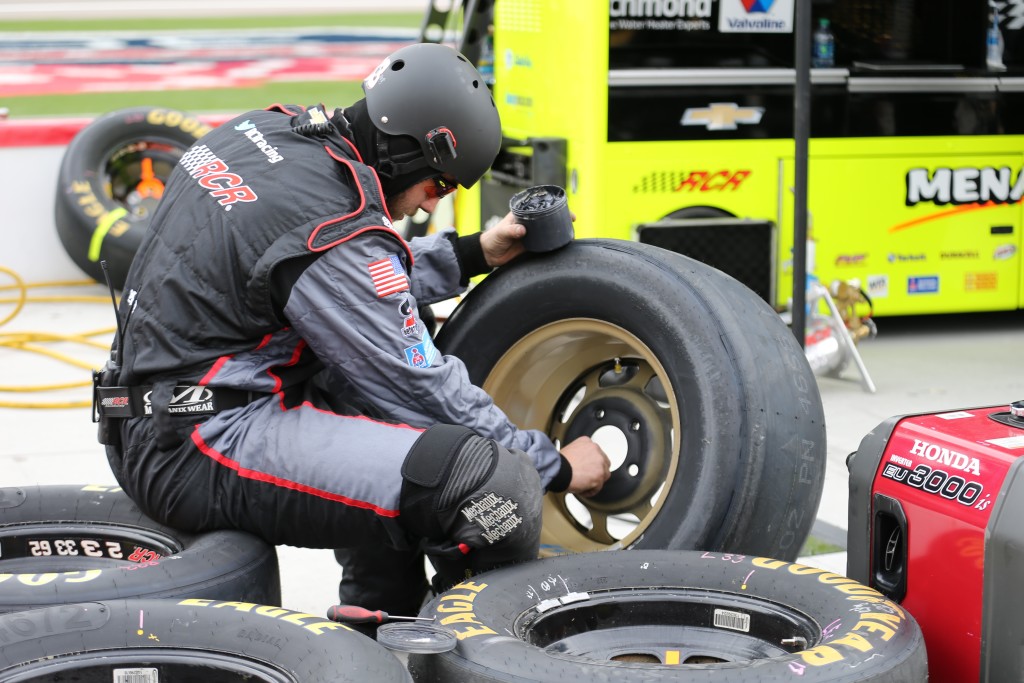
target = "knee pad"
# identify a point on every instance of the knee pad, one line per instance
(464, 493)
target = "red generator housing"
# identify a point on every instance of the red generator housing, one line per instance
(936, 523)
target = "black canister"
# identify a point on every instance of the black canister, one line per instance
(544, 211)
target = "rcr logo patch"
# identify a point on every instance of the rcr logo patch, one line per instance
(213, 174)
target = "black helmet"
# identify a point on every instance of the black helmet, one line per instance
(434, 95)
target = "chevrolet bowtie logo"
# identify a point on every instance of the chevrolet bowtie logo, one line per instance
(722, 116)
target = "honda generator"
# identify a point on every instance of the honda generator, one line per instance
(936, 523)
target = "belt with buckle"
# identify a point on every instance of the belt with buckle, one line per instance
(186, 399)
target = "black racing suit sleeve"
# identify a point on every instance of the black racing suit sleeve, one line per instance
(470, 255)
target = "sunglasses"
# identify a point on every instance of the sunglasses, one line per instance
(441, 187)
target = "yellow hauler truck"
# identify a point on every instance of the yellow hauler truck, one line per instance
(671, 122)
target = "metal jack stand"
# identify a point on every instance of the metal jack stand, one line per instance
(831, 339)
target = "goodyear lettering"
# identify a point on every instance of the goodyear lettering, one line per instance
(821, 655)
(176, 119)
(876, 624)
(967, 185)
(880, 621)
(854, 640)
(945, 456)
(51, 577)
(708, 181)
(765, 563)
(844, 584)
(212, 173)
(317, 626)
(459, 610)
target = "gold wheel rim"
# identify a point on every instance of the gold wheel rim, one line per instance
(565, 379)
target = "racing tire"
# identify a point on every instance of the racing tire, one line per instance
(681, 367)
(66, 544)
(660, 615)
(110, 181)
(146, 641)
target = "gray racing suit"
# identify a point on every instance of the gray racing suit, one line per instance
(359, 434)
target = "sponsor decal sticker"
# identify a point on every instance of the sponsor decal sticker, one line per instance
(722, 116)
(905, 258)
(421, 355)
(517, 60)
(965, 185)
(981, 282)
(755, 16)
(850, 259)
(1008, 442)
(377, 74)
(878, 286)
(514, 100)
(388, 276)
(1004, 252)
(712, 181)
(955, 415)
(410, 325)
(659, 15)
(923, 284)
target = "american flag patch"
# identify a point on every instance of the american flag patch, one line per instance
(388, 276)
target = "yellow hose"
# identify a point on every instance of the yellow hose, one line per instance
(33, 342)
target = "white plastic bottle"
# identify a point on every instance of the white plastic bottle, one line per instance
(823, 55)
(994, 44)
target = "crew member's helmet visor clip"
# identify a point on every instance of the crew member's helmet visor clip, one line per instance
(442, 145)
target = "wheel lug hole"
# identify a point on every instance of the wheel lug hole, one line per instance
(599, 414)
(634, 426)
(633, 470)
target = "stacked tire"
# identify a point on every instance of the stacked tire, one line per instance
(92, 589)
(647, 615)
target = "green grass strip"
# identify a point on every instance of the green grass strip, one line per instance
(378, 19)
(331, 94)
